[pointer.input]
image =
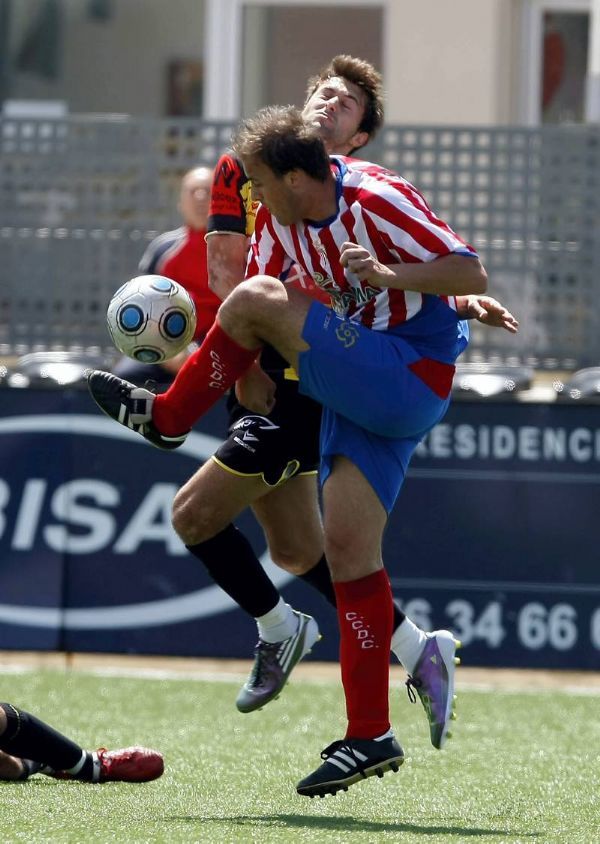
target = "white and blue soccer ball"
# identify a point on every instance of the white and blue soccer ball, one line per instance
(151, 318)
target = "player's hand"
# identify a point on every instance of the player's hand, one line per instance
(256, 391)
(488, 311)
(361, 263)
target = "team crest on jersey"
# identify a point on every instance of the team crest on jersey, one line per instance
(347, 334)
(325, 282)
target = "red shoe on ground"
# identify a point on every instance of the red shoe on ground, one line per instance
(129, 764)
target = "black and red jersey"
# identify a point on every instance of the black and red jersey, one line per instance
(181, 256)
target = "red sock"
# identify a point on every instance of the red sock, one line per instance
(365, 613)
(201, 381)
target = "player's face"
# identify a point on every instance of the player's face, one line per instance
(337, 108)
(272, 191)
(194, 199)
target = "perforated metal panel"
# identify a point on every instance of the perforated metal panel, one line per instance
(527, 200)
(81, 197)
(79, 201)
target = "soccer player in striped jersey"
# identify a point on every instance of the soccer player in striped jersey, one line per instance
(381, 363)
(330, 93)
(271, 457)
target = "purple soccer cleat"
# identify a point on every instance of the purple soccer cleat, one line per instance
(273, 664)
(433, 680)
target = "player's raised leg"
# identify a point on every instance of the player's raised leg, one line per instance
(261, 310)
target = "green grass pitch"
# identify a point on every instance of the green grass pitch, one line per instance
(521, 767)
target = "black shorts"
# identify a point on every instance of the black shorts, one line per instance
(276, 447)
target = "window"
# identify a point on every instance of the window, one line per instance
(565, 37)
(555, 37)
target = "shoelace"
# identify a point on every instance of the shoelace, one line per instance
(411, 684)
(99, 770)
(265, 653)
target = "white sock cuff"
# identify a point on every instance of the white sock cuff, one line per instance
(76, 768)
(386, 735)
(278, 624)
(278, 614)
(408, 641)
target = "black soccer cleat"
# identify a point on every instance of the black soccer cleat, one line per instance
(131, 406)
(350, 760)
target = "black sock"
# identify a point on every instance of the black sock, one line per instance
(29, 738)
(319, 576)
(399, 616)
(234, 567)
(29, 768)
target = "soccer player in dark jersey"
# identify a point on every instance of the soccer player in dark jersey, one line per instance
(29, 746)
(271, 457)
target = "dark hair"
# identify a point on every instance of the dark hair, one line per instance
(280, 138)
(361, 73)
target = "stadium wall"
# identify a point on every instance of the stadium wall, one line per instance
(493, 535)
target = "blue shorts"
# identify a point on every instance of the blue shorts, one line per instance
(380, 395)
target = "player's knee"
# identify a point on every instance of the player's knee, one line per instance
(296, 557)
(262, 286)
(249, 301)
(293, 561)
(192, 518)
(344, 553)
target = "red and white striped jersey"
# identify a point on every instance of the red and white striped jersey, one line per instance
(376, 209)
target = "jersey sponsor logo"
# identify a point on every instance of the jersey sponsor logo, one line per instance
(111, 520)
(343, 300)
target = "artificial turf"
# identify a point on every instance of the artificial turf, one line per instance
(520, 767)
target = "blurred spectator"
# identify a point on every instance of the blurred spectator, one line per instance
(180, 255)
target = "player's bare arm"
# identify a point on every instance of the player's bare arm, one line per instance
(226, 257)
(449, 275)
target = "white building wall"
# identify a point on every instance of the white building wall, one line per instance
(119, 64)
(450, 63)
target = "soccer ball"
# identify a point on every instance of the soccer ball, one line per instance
(151, 318)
